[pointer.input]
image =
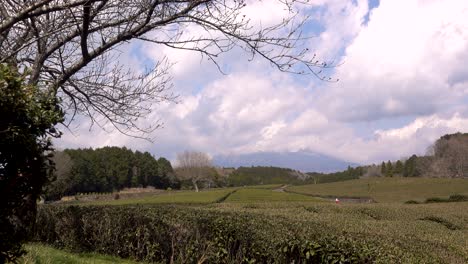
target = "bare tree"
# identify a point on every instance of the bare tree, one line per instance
(450, 156)
(193, 166)
(70, 48)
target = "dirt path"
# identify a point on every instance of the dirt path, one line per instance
(281, 189)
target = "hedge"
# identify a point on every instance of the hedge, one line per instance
(174, 234)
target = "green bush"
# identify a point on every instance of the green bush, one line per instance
(451, 199)
(28, 115)
(458, 198)
(191, 235)
(436, 200)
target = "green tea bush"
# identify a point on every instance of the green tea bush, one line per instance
(192, 235)
(458, 198)
(412, 202)
(451, 199)
(436, 200)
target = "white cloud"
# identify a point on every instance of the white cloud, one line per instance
(404, 62)
(342, 20)
(408, 61)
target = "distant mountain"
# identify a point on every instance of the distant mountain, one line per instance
(260, 175)
(302, 161)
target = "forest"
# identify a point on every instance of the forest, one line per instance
(107, 169)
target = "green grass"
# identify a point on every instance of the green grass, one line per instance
(264, 195)
(172, 197)
(41, 254)
(388, 190)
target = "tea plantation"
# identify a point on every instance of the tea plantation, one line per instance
(388, 190)
(271, 224)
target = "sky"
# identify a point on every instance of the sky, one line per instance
(403, 83)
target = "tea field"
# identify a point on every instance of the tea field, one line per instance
(264, 224)
(173, 197)
(251, 195)
(388, 190)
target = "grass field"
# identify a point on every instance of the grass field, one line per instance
(41, 254)
(388, 190)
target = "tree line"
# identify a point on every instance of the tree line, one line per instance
(349, 174)
(107, 169)
(112, 168)
(446, 158)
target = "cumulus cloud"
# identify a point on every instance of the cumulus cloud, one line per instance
(406, 61)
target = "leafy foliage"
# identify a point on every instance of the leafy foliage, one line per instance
(348, 174)
(264, 226)
(28, 116)
(191, 235)
(451, 199)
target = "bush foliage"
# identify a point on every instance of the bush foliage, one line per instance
(27, 119)
(193, 235)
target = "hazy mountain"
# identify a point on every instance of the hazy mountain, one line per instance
(303, 161)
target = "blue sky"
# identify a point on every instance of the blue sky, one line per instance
(403, 83)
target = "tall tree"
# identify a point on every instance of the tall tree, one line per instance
(166, 172)
(398, 170)
(27, 121)
(193, 166)
(409, 169)
(389, 169)
(451, 156)
(383, 168)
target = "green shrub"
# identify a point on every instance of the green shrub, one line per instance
(452, 198)
(458, 198)
(412, 202)
(436, 200)
(190, 235)
(28, 115)
(441, 221)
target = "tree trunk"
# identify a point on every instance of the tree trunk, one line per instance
(195, 185)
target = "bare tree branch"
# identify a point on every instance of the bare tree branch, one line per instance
(194, 166)
(70, 48)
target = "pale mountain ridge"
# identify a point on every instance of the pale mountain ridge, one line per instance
(301, 160)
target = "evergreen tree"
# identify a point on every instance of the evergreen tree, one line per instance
(112, 168)
(389, 169)
(398, 170)
(383, 168)
(409, 169)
